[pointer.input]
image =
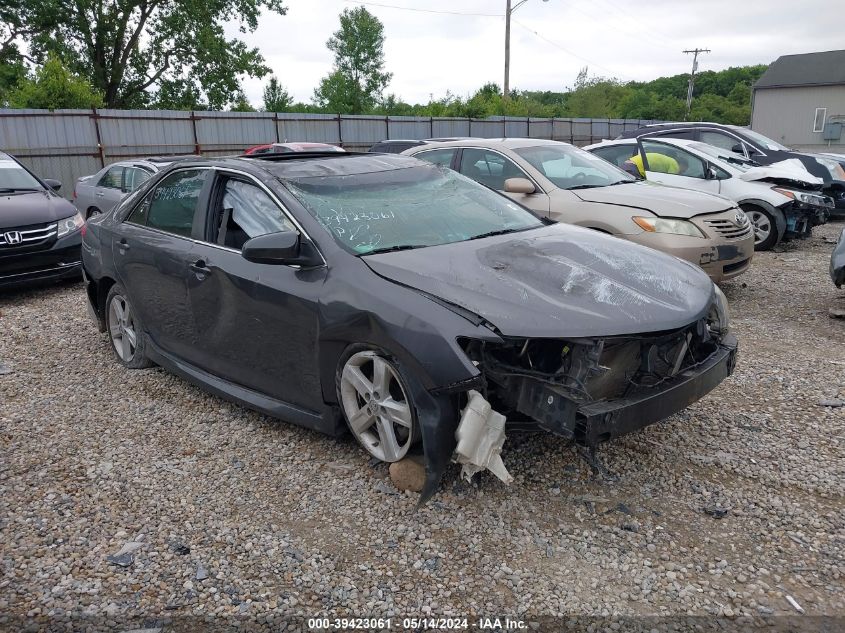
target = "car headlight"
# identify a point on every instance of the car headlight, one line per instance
(71, 224)
(719, 319)
(809, 198)
(668, 225)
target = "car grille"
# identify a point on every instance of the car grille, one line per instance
(32, 235)
(730, 229)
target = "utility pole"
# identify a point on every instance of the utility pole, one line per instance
(695, 53)
(508, 11)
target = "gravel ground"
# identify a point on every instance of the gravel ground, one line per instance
(724, 509)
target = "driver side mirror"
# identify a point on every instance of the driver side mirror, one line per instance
(54, 184)
(286, 248)
(737, 149)
(519, 185)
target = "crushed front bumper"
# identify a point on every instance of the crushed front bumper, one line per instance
(596, 422)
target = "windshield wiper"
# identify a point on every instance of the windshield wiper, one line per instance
(493, 233)
(390, 249)
(582, 187)
(16, 189)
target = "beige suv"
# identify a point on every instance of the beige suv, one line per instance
(567, 184)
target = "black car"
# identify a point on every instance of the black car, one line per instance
(384, 293)
(742, 140)
(39, 230)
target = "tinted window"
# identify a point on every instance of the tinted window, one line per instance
(616, 154)
(246, 211)
(411, 207)
(720, 139)
(171, 205)
(687, 134)
(668, 159)
(438, 156)
(112, 179)
(489, 168)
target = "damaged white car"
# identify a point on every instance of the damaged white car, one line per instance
(783, 200)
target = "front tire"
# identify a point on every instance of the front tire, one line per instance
(124, 330)
(766, 233)
(377, 404)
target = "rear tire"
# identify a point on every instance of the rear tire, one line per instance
(124, 329)
(766, 234)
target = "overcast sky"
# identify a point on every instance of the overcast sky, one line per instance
(430, 52)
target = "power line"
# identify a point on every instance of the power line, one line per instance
(416, 10)
(566, 50)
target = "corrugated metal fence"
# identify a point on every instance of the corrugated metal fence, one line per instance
(67, 144)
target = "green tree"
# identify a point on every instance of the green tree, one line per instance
(276, 98)
(53, 87)
(241, 104)
(128, 47)
(357, 81)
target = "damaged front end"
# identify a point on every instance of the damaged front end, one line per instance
(591, 390)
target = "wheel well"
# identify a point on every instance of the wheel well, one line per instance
(103, 287)
(89, 210)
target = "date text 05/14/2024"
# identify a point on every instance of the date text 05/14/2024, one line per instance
(416, 624)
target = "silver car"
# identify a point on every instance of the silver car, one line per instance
(100, 192)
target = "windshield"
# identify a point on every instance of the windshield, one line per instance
(407, 208)
(764, 141)
(569, 167)
(14, 178)
(833, 166)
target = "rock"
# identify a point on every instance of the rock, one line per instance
(832, 402)
(5, 369)
(121, 560)
(408, 474)
(201, 574)
(386, 488)
(836, 313)
(716, 512)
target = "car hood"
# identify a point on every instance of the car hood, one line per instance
(791, 170)
(556, 281)
(37, 207)
(661, 200)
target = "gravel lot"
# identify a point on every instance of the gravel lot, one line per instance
(285, 521)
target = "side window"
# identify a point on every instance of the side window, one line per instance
(616, 154)
(112, 179)
(721, 140)
(245, 211)
(438, 156)
(133, 178)
(685, 134)
(489, 168)
(171, 205)
(668, 159)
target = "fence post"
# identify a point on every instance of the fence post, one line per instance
(387, 128)
(96, 116)
(339, 130)
(528, 126)
(431, 127)
(194, 128)
(276, 125)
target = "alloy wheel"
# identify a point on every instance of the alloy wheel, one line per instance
(124, 336)
(376, 406)
(762, 225)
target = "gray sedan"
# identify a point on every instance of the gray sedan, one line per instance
(100, 192)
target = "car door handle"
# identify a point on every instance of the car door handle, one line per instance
(123, 245)
(100, 194)
(200, 268)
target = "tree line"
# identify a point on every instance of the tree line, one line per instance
(174, 54)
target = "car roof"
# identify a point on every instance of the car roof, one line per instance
(295, 165)
(497, 143)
